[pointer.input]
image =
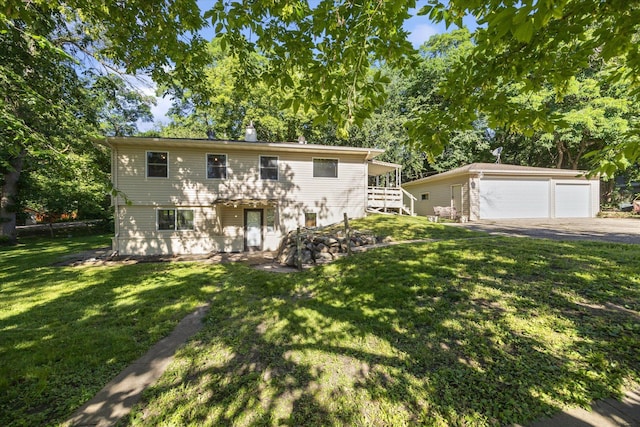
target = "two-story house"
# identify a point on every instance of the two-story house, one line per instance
(195, 196)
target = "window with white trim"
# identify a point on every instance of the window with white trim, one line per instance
(175, 219)
(325, 168)
(157, 164)
(217, 166)
(424, 196)
(269, 167)
(310, 219)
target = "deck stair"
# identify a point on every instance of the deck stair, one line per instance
(390, 200)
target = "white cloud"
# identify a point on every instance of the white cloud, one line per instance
(147, 87)
(421, 33)
(159, 112)
(161, 108)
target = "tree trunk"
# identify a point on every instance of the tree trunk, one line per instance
(608, 187)
(560, 151)
(8, 197)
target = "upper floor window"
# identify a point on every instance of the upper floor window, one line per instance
(157, 164)
(217, 166)
(327, 168)
(269, 167)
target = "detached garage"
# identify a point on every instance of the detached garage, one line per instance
(496, 191)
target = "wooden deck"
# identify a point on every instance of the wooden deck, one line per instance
(390, 199)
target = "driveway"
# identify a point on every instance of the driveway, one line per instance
(619, 230)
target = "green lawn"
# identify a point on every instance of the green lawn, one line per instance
(65, 332)
(457, 332)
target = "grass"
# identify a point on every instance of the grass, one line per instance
(478, 331)
(65, 332)
(400, 228)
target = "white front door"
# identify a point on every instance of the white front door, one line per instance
(253, 229)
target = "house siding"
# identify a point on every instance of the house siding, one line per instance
(474, 198)
(221, 227)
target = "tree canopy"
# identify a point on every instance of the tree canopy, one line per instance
(223, 104)
(537, 45)
(335, 43)
(50, 105)
(119, 106)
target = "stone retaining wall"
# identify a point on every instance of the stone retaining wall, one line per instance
(320, 245)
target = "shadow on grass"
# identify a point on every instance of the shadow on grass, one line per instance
(65, 332)
(489, 331)
(18, 261)
(476, 332)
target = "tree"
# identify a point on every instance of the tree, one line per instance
(385, 128)
(333, 45)
(424, 101)
(593, 120)
(223, 104)
(592, 115)
(73, 184)
(45, 107)
(537, 44)
(120, 107)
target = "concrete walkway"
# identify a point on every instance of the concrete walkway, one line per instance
(603, 413)
(117, 398)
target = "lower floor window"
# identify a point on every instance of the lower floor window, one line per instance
(184, 219)
(175, 219)
(310, 219)
(270, 219)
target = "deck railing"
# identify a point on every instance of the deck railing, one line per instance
(384, 198)
(411, 198)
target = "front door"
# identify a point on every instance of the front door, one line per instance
(253, 229)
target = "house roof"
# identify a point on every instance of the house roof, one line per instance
(500, 169)
(368, 153)
(376, 167)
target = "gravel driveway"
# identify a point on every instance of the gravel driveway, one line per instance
(619, 230)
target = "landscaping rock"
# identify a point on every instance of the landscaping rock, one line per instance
(320, 244)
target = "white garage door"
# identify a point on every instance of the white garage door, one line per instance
(573, 200)
(508, 198)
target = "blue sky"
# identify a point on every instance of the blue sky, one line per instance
(419, 27)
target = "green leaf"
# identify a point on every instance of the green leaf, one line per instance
(524, 31)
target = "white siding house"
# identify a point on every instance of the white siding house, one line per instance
(495, 191)
(192, 196)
